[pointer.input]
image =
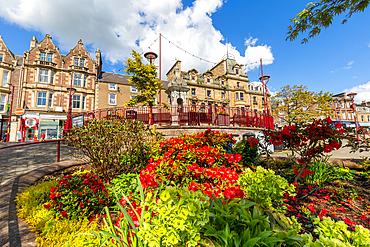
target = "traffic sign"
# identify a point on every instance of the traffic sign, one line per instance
(19, 111)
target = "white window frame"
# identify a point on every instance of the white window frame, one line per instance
(83, 102)
(42, 99)
(75, 101)
(50, 101)
(134, 89)
(85, 81)
(43, 56)
(112, 86)
(2, 102)
(112, 101)
(236, 96)
(5, 78)
(77, 77)
(82, 62)
(43, 76)
(52, 77)
(49, 57)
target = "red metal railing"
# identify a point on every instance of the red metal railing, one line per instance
(187, 115)
(30, 143)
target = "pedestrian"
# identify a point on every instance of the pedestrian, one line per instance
(42, 138)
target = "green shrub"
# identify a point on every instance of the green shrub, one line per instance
(322, 171)
(248, 151)
(118, 146)
(81, 194)
(178, 217)
(333, 233)
(126, 184)
(241, 223)
(264, 187)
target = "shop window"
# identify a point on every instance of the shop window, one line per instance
(112, 86)
(44, 76)
(50, 57)
(77, 81)
(50, 100)
(2, 103)
(43, 56)
(41, 99)
(112, 99)
(193, 91)
(76, 101)
(5, 78)
(236, 96)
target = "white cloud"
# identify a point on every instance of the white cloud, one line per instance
(118, 26)
(368, 45)
(349, 65)
(363, 92)
(354, 77)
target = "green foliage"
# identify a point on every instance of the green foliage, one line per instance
(299, 105)
(333, 233)
(241, 223)
(320, 15)
(178, 217)
(117, 146)
(249, 153)
(264, 187)
(322, 172)
(144, 77)
(126, 184)
(343, 173)
(78, 195)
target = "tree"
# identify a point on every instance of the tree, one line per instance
(144, 77)
(296, 104)
(320, 15)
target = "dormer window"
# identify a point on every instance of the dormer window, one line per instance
(43, 56)
(237, 71)
(50, 57)
(208, 79)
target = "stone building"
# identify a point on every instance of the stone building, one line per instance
(225, 84)
(342, 110)
(114, 90)
(47, 76)
(10, 68)
(363, 114)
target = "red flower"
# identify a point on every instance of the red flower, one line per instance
(47, 206)
(64, 214)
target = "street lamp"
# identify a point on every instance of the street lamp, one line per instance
(68, 124)
(265, 79)
(151, 56)
(351, 97)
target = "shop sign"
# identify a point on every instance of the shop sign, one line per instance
(78, 121)
(30, 122)
(19, 111)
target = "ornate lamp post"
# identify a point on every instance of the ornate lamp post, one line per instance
(351, 97)
(265, 79)
(68, 124)
(151, 56)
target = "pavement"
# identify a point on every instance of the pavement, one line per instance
(20, 167)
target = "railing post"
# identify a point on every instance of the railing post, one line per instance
(58, 152)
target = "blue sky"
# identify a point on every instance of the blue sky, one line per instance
(336, 60)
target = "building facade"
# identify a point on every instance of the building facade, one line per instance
(363, 114)
(47, 77)
(342, 110)
(225, 84)
(10, 69)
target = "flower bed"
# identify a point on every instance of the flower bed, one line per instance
(195, 191)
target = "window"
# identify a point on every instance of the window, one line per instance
(241, 96)
(52, 77)
(132, 96)
(50, 57)
(223, 83)
(208, 93)
(43, 56)
(368, 118)
(238, 84)
(76, 61)
(82, 62)
(193, 91)
(83, 102)
(208, 80)
(223, 95)
(348, 106)
(85, 81)
(76, 100)
(112, 87)
(237, 71)
(344, 115)
(362, 118)
(193, 77)
(50, 100)
(43, 77)
(2, 103)
(1, 58)
(263, 101)
(112, 99)
(5, 78)
(77, 81)
(41, 99)
(236, 96)
(133, 89)
(254, 99)
(79, 62)
(342, 104)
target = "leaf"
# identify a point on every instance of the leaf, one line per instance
(251, 242)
